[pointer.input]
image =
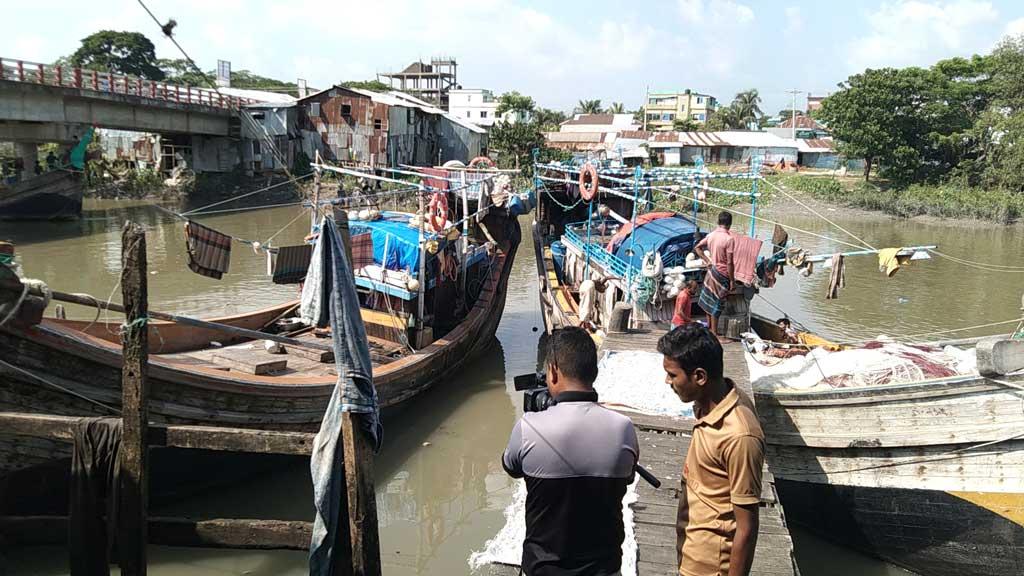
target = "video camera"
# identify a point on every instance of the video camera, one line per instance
(534, 387)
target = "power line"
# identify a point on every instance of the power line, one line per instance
(253, 125)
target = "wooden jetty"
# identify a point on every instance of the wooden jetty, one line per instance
(356, 542)
(663, 444)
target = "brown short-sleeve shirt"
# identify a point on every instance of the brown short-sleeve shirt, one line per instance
(723, 467)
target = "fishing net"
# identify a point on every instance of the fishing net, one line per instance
(875, 363)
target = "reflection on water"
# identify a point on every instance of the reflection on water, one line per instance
(440, 487)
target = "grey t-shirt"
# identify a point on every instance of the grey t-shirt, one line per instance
(578, 458)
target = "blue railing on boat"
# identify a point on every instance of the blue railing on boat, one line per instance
(597, 253)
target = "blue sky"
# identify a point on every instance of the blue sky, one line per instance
(557, 52)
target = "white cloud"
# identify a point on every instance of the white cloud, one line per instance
(918, 32)
(794, 20)
(716, 33)
(1014, 27)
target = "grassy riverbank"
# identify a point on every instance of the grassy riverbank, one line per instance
(942, 201)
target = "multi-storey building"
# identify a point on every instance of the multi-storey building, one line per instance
(478, 106)
(662, 109)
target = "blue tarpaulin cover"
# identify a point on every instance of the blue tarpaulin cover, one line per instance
(392, 234)
(671, 237)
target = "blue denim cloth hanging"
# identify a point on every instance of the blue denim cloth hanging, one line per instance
(329, 296)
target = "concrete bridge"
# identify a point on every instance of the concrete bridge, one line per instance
(45, 103)
(42, 103)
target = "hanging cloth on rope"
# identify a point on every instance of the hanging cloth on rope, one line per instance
(745, 250)
(889, 260)
(292, 264)
(837, 279)
(209, 251)
(329, 296)
(362, 251)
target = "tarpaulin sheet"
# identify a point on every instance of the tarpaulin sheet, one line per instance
(395, 244)
(670, 237)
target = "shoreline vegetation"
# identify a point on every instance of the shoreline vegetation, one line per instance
(948, 200)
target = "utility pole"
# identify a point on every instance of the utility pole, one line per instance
(643, 106)
(792, 111)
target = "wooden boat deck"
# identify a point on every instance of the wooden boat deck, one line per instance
(253, 358)
(663, 444)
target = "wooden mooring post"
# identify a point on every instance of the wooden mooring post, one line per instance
(132, 532)
(359, 536)
(357, 542)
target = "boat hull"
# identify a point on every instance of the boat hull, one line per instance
(931, 532)
(927, 475)
(77, 366)
(51, 196)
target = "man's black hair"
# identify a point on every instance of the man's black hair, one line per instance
(787, 321)
(725, 219)
(693, 346)
(574, 353)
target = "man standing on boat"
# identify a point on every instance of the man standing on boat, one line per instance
(717, 521)
(578, 459)
(719, 280)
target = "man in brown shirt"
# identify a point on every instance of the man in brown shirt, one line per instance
(716, 528)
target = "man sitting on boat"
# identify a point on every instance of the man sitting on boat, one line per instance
(717, 522)
(578, 458)
(719, 280)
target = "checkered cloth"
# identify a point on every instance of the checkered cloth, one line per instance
(292, 264)
(712, 296)
(362, 250)
(744, 259)
(209, 251)
(439, 181)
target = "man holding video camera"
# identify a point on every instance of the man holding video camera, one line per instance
(578, 458)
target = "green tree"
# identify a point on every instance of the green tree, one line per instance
(548, 120)
(515, 102)
(685, 125)
(179, 71)
(514, 142)
(725, 118)
(617, 108)
(129, 53)
(900, 119)
(638, 116)
(588, 107)
(747, 105)
(372, 85)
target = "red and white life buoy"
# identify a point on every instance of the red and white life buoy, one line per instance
(588, 182)
(481, 160)
(438, 213)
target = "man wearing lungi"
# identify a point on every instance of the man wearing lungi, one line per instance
(719, 280)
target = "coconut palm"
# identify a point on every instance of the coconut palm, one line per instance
(747, 106)
(588, 107)
(617, 108)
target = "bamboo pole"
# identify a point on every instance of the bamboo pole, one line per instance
(132, 532)
(245, 332)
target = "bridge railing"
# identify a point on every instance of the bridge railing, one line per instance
(69, 77)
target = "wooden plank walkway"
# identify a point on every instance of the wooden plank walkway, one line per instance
(663, 445)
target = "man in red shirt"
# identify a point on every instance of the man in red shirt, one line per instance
(684, 301)
(719, 279)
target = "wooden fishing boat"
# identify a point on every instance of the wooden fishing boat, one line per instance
(55, 195)
(200, 376)
(928, 475)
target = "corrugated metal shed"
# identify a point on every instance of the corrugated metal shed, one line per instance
(344, 125)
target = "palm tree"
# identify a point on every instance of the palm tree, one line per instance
(588, 107)
(747, 106)
(617, 108)
(725, 118)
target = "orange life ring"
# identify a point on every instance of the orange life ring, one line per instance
(588, 182)
(481, 160)
(438, 214)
